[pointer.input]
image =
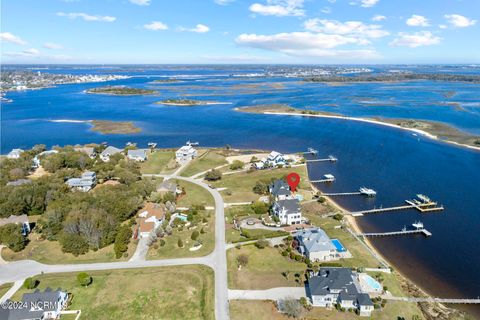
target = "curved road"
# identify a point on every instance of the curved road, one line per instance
(217, 260)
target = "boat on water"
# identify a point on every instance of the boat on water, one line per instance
(368, 192)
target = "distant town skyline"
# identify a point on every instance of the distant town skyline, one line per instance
(240, 31)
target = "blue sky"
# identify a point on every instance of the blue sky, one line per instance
(240, 31)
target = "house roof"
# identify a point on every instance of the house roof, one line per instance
(15, 152)
(153, 210)
(167, 185)
(88, 150)
(329, 279)
(142, 153)
(315, 240)
(186, 149)
(280, 188)
(110, 150)
(19, 182)
(14, 219)
(274, 154)
(46, 301)
(363, 299)
(289, 205)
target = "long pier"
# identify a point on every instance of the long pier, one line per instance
(330, 158)
(342, 194)
(425, 207)
(323, 180)
(396, 233)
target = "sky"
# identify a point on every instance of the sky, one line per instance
(240, 31)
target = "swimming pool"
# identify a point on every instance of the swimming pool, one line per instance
(338, 245)
(369, 284)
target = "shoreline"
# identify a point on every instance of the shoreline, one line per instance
(370, 121)
(377, 122)
(177, 104)
(351, 221)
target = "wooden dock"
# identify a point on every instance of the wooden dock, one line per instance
(323, 180)
(424, 207)
(425, 232)
(330, 158)
(341, 194)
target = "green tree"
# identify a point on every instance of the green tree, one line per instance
(213, 175)
(242, 260)
(30, 283)
(180, 243)
(261, 244)
(74, 243)
(84, 279)
(11, 236)
(122, 239)
(260, 187)
(260, 207)
(236, 165)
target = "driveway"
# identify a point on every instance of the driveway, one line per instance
(269, 294)
(141, 250)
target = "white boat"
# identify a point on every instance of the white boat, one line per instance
(368, 192)
(417, 225)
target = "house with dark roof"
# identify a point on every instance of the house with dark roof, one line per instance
(280, 190)
(37, 306)
(288, 211)
(340, 286)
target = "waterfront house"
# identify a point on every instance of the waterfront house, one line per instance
(108, 152)
(340, 286)
(185, 154)
(15, 153)
(316, 245)
(137, 155)
(150, 217)
(37, 306)
(274, 159)
(288, 211)
(21, 220)
(280, 190)
(89, 151)
(85, 183)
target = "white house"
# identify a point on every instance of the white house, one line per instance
(85, 183)
(137, 155)
(338, 286)
(38, 305)
(185, 153)
(274, 159)
(288, 211)
(108, 152)
(15, 153)
(317, 246)
(150, 218)
(21, 220)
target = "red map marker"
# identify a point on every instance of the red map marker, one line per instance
(293, 179)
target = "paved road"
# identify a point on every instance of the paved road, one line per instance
(269, 294)
(141, 250)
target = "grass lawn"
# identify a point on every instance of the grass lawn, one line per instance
(239, 186)
(4, 288)
(50, 252)
(171, 249)
(266, 310)
(195, 195)
(360, 256)
(233, 235)
(161, 161)
(180, 292)
(206, 160)
(264, 269)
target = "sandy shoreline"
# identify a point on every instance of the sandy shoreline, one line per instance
(371, 121)
(70, 121)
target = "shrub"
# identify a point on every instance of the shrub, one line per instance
(213, 175)
(285, 253)
(180, 243)
(290, 307)
(236, 165)
(338, 217)
(261, 244)
(203, 231)
(242, 260)
(321, 200)
(260, 187)
(162, 242)
(30, 283)
(84, 279)
(74, 243)
(122, 239)
(195, 235)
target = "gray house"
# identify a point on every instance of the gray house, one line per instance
(339, 286)
(37, 306)
(108, 152)
(84, 183)
(137, 154)
(280, 190)
(316, 245)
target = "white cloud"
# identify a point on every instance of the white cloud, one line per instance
(223, 2)
(417, 21)
(378, 17)
(52, 45)
(351, 28)
(32, 52)
(140, 2)
(156, 26)
(86, 17)
(414, 40)
(326, 10)
(199, 28)
(442, 26)
(8, 37)
(367, 3)
(279, 8)
(459, 21)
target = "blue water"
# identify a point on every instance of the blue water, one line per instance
(338, 245)
(397, 164)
